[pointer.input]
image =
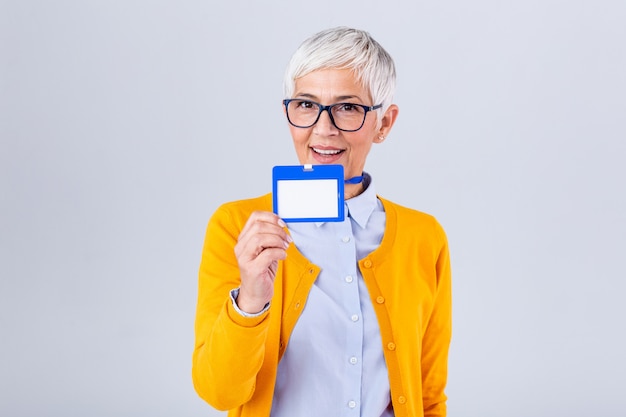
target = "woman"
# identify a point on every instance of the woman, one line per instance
(327, 319)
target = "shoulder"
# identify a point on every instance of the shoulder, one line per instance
(248, 205)
(238, 212)
(406, 220)
(407, 214)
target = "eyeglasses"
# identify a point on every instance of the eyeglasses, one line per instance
(348, 117)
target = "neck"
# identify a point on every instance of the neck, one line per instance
(352, 190)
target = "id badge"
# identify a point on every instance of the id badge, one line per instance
(308, 193)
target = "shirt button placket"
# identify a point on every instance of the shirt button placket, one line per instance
(351, 304)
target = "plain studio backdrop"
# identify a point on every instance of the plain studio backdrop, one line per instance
(124, 124)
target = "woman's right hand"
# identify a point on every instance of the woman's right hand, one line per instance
(262, 243)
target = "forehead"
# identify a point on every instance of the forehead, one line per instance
(331, 85)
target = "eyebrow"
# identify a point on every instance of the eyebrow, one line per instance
(339, 99)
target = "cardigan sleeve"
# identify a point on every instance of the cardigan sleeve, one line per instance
(436, 339)
(229, 348)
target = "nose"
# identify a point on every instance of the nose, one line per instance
(325, 125)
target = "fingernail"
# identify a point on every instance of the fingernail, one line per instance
(281, 223)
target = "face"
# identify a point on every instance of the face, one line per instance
(323, 143)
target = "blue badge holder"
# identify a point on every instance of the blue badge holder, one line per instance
(308, 193)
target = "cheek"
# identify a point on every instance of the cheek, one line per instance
(363, 143)
(299, 136)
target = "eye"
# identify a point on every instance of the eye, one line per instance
(304, 104)
(349, 108)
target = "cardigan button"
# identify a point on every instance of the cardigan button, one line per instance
(401, 399)
(380, 299)
(367, 263)
(391, 346)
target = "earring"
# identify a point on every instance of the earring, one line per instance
(381, 138)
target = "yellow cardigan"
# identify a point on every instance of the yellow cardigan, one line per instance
(235, 359)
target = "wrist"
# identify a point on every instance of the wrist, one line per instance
(247, 306)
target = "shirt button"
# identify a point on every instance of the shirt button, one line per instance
(353, 360)
(354, 317)
(349, 278)
(391, 346)
(351, 404)
(380, 299)
(345, 239)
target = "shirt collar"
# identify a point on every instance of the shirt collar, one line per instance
(361, 207)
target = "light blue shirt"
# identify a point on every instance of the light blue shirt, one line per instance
(334, 364)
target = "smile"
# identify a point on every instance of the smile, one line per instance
(327, 151)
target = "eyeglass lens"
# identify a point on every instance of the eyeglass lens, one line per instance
(346, 116)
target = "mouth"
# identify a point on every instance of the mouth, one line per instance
(327, 152)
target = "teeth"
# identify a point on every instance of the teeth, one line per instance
(327, 151)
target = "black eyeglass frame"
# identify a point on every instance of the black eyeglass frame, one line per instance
(327, 108)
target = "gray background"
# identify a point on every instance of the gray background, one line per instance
(123, 125)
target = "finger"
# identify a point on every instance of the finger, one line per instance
(263, 231)
(251, 253)
(263, 218)
(274, 267)
(265, 264)
(268, 257)
(251, 247)
(260, 235)
(261, 265)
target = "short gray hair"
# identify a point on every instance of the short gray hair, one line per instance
(345, 48)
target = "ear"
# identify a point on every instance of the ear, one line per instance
(386, 123)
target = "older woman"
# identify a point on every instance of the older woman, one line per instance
(347, 318)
